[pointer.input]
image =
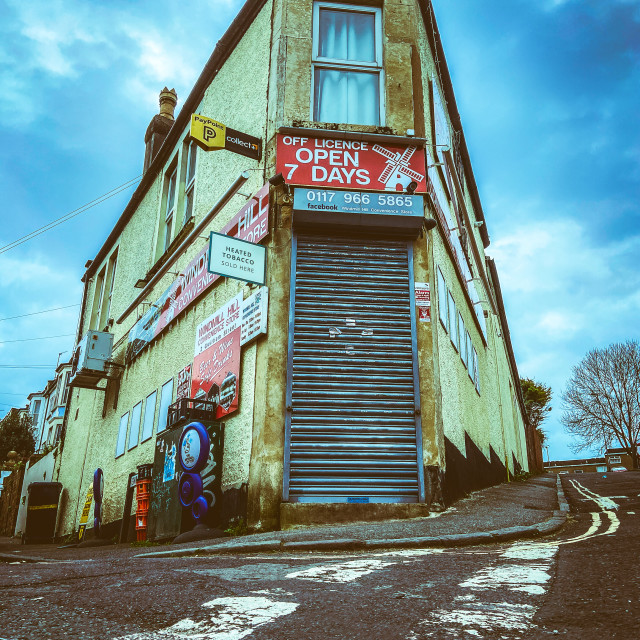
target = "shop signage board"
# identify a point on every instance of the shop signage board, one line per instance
(423, 301)
(323, 200)
(251, 223)
(211, 135)
(237, 259)
(350, 164)
(207, 133)
(218, 325)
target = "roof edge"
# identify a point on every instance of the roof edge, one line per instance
(435, 41)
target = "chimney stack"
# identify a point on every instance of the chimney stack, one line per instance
(159, 126)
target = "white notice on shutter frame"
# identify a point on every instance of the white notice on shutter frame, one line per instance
(254, 315)
(423, 301)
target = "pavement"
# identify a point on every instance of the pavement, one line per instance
(509, 511)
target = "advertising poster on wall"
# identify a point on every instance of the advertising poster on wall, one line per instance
(183, 388)
(423, 301)
(251, 223)
(359, 164)
(216, 373)
(216, 365)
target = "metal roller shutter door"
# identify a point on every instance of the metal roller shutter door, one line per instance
(352, 421)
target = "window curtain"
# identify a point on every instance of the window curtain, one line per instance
(347, 36)
(347, 97)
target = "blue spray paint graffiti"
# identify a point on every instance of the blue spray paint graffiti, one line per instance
(169, 464)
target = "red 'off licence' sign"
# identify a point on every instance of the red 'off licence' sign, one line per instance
(350, 164)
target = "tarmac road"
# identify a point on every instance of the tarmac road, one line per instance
(596, 592)
(580, 584)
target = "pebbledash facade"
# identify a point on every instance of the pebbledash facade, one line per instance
(373, 373)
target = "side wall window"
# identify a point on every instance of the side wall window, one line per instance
(134, 432)
(170, 209)
(347, 75)
(166, 396)
(149, 415)
(191, 153)
(122, 434)
(453, 325)
(442, 301)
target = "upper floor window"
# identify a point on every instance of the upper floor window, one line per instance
(170, 208)
(347, 72)
(35, 413)
(190, 181)
(103, 293)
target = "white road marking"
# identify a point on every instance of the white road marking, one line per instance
(529, 551)
(234, 618)
(602, 501)
(509, 575)
(340, 572)
(409, 553)
(487, 616)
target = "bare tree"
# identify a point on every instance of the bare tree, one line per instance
(602, 399)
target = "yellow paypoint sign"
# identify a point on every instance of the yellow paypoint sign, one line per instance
(208, 133)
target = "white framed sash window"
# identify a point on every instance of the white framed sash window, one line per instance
(347, 74)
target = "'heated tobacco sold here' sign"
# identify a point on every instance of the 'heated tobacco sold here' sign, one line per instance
(350, 164)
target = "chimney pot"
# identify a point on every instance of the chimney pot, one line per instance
(168, 101)
(159, 126)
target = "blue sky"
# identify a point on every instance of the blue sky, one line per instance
(548, 91)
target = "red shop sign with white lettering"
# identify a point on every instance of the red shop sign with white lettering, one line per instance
(350, 164)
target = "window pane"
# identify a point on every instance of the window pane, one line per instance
(166, 395)
(188, 207)
(442, 300)
(191, 162)
(134, 432)
(452, 322)
(476, 373)
(167, 233)
(171, 193)
(347, 35)
(346, 97)
(122, 434)
(469, 356)
(149, 414)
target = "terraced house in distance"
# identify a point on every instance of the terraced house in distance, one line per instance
(366, 370)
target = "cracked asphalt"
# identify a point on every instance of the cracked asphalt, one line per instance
(581, 583)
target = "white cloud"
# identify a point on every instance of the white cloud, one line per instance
(44, 43)
(567, 290)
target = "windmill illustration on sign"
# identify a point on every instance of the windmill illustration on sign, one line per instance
(397, 175)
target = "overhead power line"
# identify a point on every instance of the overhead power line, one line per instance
(72, 214)
(64, 335)
(27, 366)
(35, 313)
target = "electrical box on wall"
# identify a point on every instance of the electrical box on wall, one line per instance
(90, 358)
